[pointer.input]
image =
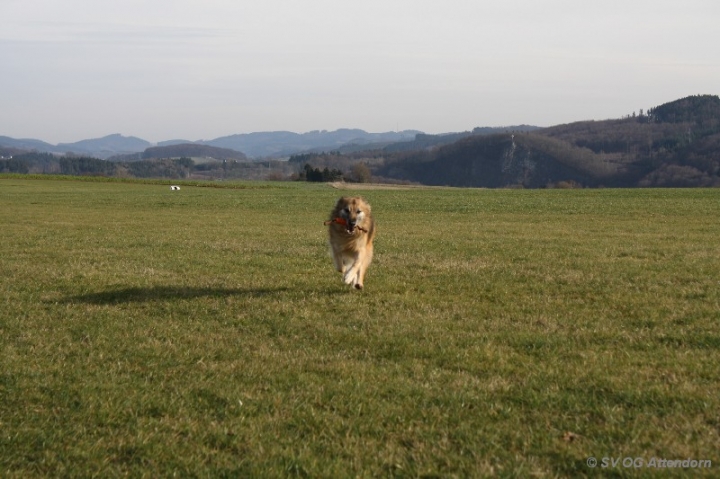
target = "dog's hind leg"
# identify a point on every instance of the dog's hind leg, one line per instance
(338, 259)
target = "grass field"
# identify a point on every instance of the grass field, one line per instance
(204, 333)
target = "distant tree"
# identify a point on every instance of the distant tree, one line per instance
(361, 173)
(331, 175)
(315, 174)
(312, 174)
(86, 166)
(303, 157)
(677, 176)
(14, 166)
(186, 162)
(275, 176)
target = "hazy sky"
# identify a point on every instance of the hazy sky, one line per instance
(166, 69)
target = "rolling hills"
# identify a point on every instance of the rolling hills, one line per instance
(676, 144)
(286, 143)
(270, 144)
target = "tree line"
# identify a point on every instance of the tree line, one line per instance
(87, 166)
(179, 168)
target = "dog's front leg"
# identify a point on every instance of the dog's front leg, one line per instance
(364, 262)
(351, 274)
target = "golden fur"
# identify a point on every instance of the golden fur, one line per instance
(352, 231)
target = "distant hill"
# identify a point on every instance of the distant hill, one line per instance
(674, 144)
(106, 146)
(257, 145)
(192, 150)
(698, 109)
(173, 142)
(26, 144)
(496, 161)
(103, 148)
(423, 141)
(285, 143)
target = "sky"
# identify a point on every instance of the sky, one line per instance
(182, 69)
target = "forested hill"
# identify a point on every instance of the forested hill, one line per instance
(191, 150)
(423, 141)
(675, 144)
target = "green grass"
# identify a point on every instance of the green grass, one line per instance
(204, 332)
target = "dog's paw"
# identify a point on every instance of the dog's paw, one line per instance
(358, 286)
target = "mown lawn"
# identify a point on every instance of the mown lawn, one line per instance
(204, 332)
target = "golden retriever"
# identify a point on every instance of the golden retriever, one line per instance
(352, 231)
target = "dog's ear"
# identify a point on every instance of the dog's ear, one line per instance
(341, 203)
(367, 205)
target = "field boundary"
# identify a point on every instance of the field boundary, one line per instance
(341, 185)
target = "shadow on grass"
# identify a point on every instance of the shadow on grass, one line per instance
(162, 293)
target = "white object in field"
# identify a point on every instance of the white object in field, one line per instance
(174, 187)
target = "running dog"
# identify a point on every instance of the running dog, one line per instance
(352, 231)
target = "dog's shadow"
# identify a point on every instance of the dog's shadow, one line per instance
(164, 293)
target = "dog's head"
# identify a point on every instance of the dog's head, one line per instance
(354, 211)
